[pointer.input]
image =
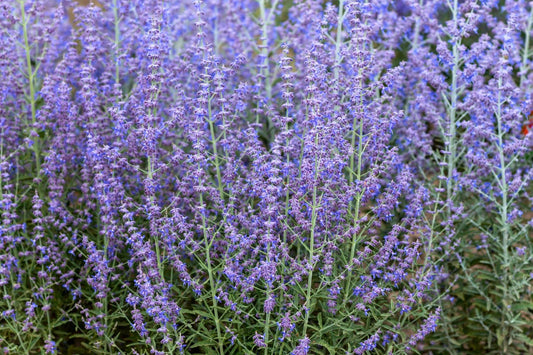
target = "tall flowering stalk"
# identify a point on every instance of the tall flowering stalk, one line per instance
(500, 181)
(265, 176)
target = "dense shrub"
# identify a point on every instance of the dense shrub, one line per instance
(260, 176)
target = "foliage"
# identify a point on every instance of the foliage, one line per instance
(261, 176)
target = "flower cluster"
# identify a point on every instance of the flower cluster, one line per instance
(266, 176)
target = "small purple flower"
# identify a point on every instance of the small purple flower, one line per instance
(259, 340)
(270, 303)
(50, 346)
(369, 344)
(303, 347)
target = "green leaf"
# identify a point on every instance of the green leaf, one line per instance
(207, 342)
(485, 275)
(329, 348)
(522, 306)
(454, 341)
(197, 312)
(524, 338)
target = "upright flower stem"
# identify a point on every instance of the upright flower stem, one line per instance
(215, 151)
(287, 186)
(207, 250)
(116, 23)
(266, 329)
(360, 151)
(314, 210)
(207, 242)
(504, 224)
(265, 69)
(338, 43)
(150, 164)
(265, 65)
(30, 73)
(450, 138)
(524, 67)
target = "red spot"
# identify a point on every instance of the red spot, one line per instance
(527, 127)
